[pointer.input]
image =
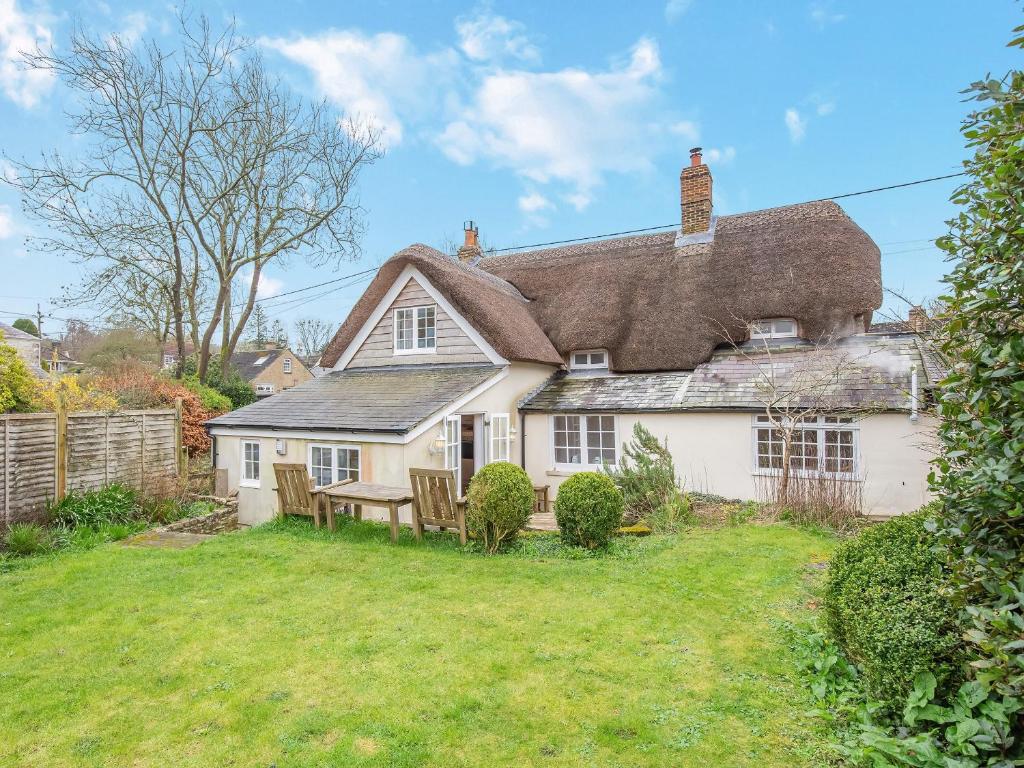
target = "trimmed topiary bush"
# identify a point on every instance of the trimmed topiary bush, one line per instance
(883, 607)
(588, 509)
(26, 539)
(500, 501)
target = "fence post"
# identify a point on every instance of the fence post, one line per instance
(178, 447)
(62, 450)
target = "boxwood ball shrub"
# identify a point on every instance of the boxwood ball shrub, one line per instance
(499, 502)
(588, 509)
(884, 608)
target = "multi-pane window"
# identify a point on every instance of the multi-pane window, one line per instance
(591, 358)
(250, 463)
(333, 463)
(500, 437)
(287, 365)
(773, 328)
(416, 329)
(584, 440)
(826, 444)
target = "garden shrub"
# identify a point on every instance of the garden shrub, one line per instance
(884, 608)
(114, 504)
(500, 501)
(588, 509)
(26, 539)
(647, 478)
(211, 399)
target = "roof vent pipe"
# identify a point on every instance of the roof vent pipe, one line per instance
(913, 394)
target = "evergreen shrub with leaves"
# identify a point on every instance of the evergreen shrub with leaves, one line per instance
(588, 509)
(647, 478)
(885, 609)
(499, 502)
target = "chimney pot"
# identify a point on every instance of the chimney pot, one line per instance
(470, 250)
(696, 156)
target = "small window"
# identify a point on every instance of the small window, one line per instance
(287, 365)
(584, 441)
(169, 361)
(415, 330)
(774, 328)
(250, 464)
(333, 463)
(501, 437)
(264, 389)
(588, 358)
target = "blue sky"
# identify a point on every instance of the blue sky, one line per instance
(541, 121)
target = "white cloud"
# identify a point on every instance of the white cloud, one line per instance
(687, 129)
(134, 26)
(534, 202)
(268, 286)
(825, 108)
(23, 31)
(487, 37)
(723, 156)
(8, 172)
(570, 126)
(675, 9)
(796, 125)
(823, 15)
(7, 228)
(579, 200)
(380, 78)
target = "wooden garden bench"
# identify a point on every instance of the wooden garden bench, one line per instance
(296, 494)
(435, 502)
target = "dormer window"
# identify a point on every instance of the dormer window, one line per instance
(415, 330)
(774, 328)
(585, 359)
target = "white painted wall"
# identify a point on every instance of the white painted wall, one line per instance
(386, 463)
(714, 453)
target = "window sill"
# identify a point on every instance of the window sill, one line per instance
(430, 351)
(248, 483)
(569, 471)
(808, 475)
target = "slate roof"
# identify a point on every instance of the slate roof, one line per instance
(392, 399)
(864, 372)
(246, 362)
(10, 332)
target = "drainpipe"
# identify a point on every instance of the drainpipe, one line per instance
(522, 438)
(913, 393)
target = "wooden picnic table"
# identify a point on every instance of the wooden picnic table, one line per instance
(358, 494)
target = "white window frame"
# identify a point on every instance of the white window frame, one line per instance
(416, 349)
(453, 446)
(243, 480)
(286, 366)
(773, 332)
(169, 360)
(500, 437)
(335, 468)
(589, 365)
(582, 466)
(264, 389)
(821, 425)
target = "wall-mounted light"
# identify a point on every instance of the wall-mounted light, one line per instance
(438, 443)
(281, 446)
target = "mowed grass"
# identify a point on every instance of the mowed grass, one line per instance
(283, 646)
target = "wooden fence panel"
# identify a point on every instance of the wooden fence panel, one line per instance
(29, 466)
(44, 454)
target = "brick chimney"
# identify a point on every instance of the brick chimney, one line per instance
(470, 250)
(917, 319)
(695, 195)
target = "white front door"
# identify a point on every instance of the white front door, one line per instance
(453, 447)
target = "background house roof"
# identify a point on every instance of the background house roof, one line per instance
(857, 373)
(10, 332)
(251, 364)
(392, 399)
(491, 305)
(658, 306)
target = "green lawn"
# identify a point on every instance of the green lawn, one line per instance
(283, 646)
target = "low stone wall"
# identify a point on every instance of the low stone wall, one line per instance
(219, 521)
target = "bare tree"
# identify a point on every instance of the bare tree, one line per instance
(313, 335)
(202, 171)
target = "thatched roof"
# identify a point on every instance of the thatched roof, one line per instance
(492, 306)
(653, 303)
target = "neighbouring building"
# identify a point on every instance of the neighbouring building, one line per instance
(271, 370)
(720, 337)
(29, 347)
